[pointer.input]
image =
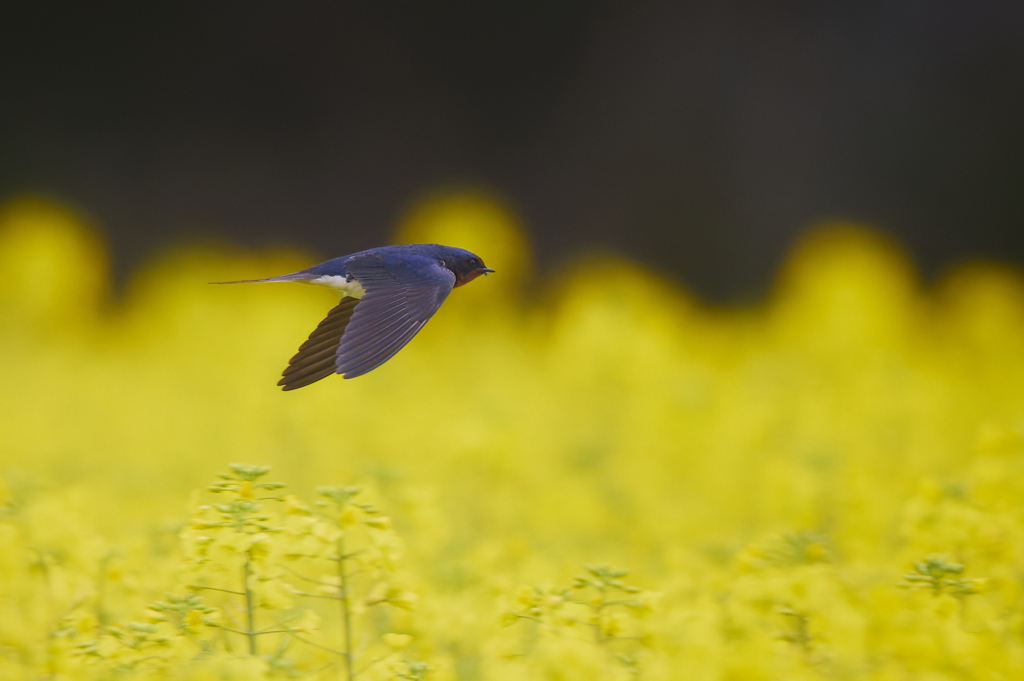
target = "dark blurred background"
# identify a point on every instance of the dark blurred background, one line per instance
(699, 137)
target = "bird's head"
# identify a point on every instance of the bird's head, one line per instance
(466, 266)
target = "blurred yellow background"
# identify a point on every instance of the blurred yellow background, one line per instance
(772, 473)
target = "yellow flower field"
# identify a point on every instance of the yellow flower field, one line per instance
(825, 485)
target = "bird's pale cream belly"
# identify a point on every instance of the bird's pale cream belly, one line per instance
(352, 288)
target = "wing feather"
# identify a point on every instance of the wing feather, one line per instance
(377, 356)
(316, 357)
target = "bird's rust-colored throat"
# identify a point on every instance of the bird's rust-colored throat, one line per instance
(461, 280)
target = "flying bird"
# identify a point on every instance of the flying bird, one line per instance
(388, 295)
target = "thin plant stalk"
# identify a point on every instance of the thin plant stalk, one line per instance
(249, 610)
(346, 613)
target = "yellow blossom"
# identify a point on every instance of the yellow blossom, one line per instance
(828, 481)
(397, 641)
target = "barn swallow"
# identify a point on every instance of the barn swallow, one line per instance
(388, 294)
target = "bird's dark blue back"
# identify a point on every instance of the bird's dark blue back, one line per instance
(415, 255)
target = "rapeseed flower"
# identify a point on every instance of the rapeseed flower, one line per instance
(824, 484)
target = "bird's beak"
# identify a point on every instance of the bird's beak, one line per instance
(486, 270)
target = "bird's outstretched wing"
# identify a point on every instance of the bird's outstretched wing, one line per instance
(402, 294)
(316, 357)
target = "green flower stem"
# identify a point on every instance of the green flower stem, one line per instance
(250, 611)
(346, 614)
